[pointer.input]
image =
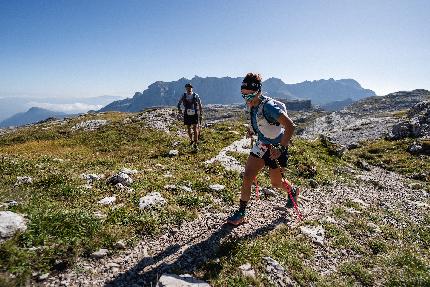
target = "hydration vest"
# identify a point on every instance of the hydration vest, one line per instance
(269, 129)
(190, 104)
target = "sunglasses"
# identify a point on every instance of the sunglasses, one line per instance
(249, 97)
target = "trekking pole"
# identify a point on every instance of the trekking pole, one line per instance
(257, 189)
(290, 194)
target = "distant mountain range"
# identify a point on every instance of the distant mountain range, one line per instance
(33, 115)
(226, 90)
(12, 105)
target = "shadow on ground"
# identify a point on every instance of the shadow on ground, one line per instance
(193, 257)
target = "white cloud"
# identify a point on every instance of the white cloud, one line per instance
(66, 108)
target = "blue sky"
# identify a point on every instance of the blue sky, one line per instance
(83, 48)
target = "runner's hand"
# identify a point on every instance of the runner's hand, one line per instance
(249, 133)
(275, 153)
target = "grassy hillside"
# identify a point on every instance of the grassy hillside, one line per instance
(64, 220)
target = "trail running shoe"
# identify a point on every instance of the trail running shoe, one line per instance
(295, 192)
(237, 218)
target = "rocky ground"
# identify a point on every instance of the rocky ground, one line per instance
(194, 243)
(364, 201)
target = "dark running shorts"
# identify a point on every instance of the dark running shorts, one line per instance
(191, 120)
(271, 163)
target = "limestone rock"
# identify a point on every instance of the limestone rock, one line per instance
(277, 274)
(315, 233)
(100, 253)
(151, 200)
(216, 187)
(107, 200)
(89, 125)
(23, 180)
(247, 270)
(185, 280)
(129, 171)
(10, 223)
(122, 178)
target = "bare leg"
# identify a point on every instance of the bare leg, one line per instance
(277, 180)
(189, 133)
(196, 133)
(253, 166)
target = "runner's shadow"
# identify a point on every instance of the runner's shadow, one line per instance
(192, 257)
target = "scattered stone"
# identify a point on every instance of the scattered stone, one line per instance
(374, 227)
(129, 171)
(10, 223)
(316, 233)
(173, 152)
(216, 187)
(362, 165)
(268, 191)
(168, 174)
(170, 187)
(419, 204)
(352, 210)
(247, 270)
(121, 187)
(90, 178)
(99, 215)
(100, 253)
(90, 125)
(113, 265)
(277, 274)
(159, 165)
(23, 180)
(185, 280)
(415, 148)
(331, 220)
(120, 245)
(361, 203)
(107, 200)
(151, 200)
(43, 277)
(11, 203)
(185, 188)
(122, 178)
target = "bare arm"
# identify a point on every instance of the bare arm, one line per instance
(289, 127)
(200, 107)
(179, 103)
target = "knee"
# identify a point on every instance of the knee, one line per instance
(248, 177)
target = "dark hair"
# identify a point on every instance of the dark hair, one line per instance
(188, 85)
(252, 82)
(253, 78)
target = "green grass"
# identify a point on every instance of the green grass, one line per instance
(393, 156)
(63, 226)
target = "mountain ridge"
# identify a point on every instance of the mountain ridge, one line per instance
(32, 115)
(226, 90)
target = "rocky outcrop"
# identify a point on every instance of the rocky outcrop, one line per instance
(90, 125)
(417, 125)
(374, 118)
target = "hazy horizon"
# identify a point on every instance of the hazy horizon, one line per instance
(87, 49)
